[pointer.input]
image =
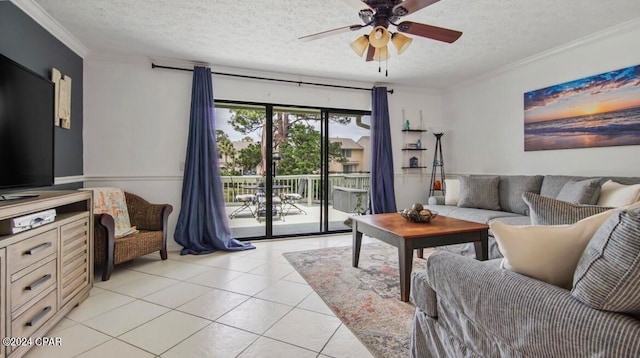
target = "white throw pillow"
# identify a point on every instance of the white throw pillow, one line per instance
(452, 193)
(547, 253)
(618, 195)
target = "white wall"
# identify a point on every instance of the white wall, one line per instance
(137, 118)
(485, 118)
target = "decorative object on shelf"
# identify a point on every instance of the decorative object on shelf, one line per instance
(412, 146)
(413, 162)
(437, 185)
(419, 144)
(438, 162)
(418, 214)
(407, 124)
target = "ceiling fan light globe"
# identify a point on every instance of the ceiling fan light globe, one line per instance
(360, 45)
(401, 42)
(381, 54)
(379, 37)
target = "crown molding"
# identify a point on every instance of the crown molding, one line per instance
(39, 15)
(625, 26)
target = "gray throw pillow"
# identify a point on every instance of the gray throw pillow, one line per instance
(581, 191)
(548, 211)
(479, 191)
(512, 187)
(608, 272)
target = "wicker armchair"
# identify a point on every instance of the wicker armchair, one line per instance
(150, 220)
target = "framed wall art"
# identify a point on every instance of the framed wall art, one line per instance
(62, 111)
(597, 111)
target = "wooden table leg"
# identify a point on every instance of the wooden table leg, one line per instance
(357, 243)
(482, 246)
(405, 259)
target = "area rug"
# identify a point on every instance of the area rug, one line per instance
(366, 298)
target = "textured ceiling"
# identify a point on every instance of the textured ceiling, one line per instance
(262, 35)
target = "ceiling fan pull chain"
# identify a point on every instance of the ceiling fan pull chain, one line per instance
(386, 68)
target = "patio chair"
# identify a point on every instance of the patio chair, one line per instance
(247, 202)
(289, 200)
(276, 201)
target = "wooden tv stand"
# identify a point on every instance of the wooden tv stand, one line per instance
(44, 271)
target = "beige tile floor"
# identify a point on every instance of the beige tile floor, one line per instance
(239, 304)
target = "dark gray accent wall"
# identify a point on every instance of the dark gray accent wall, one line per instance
(26, 42)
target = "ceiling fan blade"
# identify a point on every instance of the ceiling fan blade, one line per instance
(327, 33)
(357, 4)
(410, 6)
(428, 31)
(370, 52)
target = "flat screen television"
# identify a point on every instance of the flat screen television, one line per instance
(26, 127)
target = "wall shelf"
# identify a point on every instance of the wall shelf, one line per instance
(413, 148)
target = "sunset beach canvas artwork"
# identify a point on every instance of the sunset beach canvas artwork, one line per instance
(597, 111)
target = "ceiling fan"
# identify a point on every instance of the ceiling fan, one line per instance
(380, 14)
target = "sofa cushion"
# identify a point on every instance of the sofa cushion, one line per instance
(442, 209)
(546, 253)
(479, 191)
(581, 191)
(469, 249)
(452, 191)
(470, 214)
(608, 274)
(547, 211)
(618, 195)
(512, 187)
(552, 184)
(520, 220)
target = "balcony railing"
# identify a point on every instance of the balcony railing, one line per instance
(235, 185)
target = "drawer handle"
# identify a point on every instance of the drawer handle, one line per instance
(42, 280)
(38, 317)
(39, 248)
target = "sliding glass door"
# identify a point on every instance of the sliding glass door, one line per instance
(297, 170)
(240, 136)
(282, 166)
(349, 167)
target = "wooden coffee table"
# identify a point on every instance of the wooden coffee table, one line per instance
(407, 236)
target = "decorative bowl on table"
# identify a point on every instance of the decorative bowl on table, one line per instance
(418, 214)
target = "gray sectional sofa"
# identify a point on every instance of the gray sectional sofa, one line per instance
(513, 210)
(469, 308)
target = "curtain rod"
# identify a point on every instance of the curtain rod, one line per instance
(299, 83)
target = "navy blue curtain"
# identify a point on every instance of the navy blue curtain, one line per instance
(202, 225)
(383, 198)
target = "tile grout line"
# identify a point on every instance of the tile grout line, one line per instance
(291, 308)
